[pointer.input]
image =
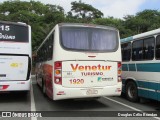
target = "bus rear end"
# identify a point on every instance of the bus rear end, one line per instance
(15, 61)
(87, 62)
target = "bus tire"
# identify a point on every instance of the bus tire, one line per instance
(132, 91)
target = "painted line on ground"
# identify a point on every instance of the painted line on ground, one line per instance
(33, 106)
(128, 106)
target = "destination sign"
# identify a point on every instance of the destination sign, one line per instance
(13, 33)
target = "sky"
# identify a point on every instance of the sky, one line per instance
(115, 8)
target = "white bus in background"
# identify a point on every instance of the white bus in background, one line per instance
(15, 56)
(141, 66)
(80, 61)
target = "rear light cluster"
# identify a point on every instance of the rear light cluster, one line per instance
(119, 72)
(3, 87)
(58, 72)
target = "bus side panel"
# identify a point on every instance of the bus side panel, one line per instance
(142, 89)
(48, 70)
(147, 82)
(153, 94)
(15, 85)
(148, 74)
(148, 89)
(158, 91)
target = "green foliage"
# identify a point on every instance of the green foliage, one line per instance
(142, 21)
(84, 11)
(43, 17)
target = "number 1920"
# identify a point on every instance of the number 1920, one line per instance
(76, 81)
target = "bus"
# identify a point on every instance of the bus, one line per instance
(141, 66)
(79, 61)
(15, 56)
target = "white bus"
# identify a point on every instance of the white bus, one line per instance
(141, 66)
(80, 61)
(15, 56)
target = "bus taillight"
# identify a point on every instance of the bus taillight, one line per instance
(58, 64)
(119, 72)
(3, 87)
(57, 72)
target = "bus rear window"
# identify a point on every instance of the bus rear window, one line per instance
(89, 39)
(13, 33)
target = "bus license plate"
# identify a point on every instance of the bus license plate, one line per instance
(92, 91)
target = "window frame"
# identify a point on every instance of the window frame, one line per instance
(156, 47)
(81, 50)
(130, 51)
(143, 39)
(20, 31)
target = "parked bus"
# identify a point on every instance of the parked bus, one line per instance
(79, 61)
(15, 56)
(141, 66)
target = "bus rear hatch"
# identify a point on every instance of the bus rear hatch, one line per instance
(13, 67)
(89, 73)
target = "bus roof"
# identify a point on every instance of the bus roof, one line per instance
(87, 25)
(142, 35)
(15, 23)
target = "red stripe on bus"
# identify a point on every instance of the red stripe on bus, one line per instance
(48, 72)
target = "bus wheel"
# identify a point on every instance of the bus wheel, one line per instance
(132, 91)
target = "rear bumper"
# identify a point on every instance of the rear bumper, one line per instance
(15, 86)
(73, 93)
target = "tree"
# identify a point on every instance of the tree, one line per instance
(54, 14)
(142, 21)
(113, 22)
(84, 11)
(41, 17)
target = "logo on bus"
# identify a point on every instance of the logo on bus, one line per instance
(99, 79)
(88, 70)
(14, 65)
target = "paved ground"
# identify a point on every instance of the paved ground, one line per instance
(93, 109)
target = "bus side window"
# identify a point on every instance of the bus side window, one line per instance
(133, 54)
(149, 48)
(137, 53)
(50, 46)
(45, 52)
(137, 50)
(37, 59)
(41, 55)
(158, 47)
(47, 49)
(122, 51)
(126, 51)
